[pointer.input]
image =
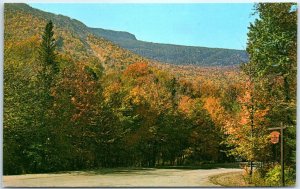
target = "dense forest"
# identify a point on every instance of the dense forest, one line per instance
(74, 100)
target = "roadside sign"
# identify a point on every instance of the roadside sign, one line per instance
(275, 137)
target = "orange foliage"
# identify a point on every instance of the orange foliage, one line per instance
(81, 88)
(137, 69)
(215, 109)
(186, 105)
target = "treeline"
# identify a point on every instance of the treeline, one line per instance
(61, 114)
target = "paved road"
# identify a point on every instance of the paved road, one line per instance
(125, 178)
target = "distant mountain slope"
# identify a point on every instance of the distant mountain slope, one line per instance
(175, 54)
(72, 36)
(113, 35)
(24, 24)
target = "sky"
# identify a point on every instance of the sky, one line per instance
(219, 25)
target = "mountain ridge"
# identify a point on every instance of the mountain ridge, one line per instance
(168, 53)
(176, 54)
(131, 35)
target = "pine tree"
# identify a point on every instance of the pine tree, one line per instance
(48, 69)
(47, 48)
(49, 64)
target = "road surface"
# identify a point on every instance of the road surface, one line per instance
(122, 178)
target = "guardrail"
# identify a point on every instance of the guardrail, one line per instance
(248, 164)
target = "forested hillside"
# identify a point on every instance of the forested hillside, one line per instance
(74, 100)
(105, 107)
(175, 54)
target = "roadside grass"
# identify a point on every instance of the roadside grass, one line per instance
(230, 180)
(203, 166)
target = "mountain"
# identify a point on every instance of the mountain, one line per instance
(24, 25)
(175, 54)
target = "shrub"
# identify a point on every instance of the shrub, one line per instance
(273, 177)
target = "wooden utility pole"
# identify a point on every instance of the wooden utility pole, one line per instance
(281, 150)
(281, 156)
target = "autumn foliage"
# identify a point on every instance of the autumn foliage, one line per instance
(108, 107)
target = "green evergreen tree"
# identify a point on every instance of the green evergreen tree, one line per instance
(49, 65)
(47, 48)
(44, 144)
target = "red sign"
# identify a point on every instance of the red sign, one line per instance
(275, 137)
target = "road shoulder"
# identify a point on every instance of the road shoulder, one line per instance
(230, 179)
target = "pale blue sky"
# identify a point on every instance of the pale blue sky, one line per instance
(222, 25)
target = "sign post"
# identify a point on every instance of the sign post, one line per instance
(274, 140)
(281, 157)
